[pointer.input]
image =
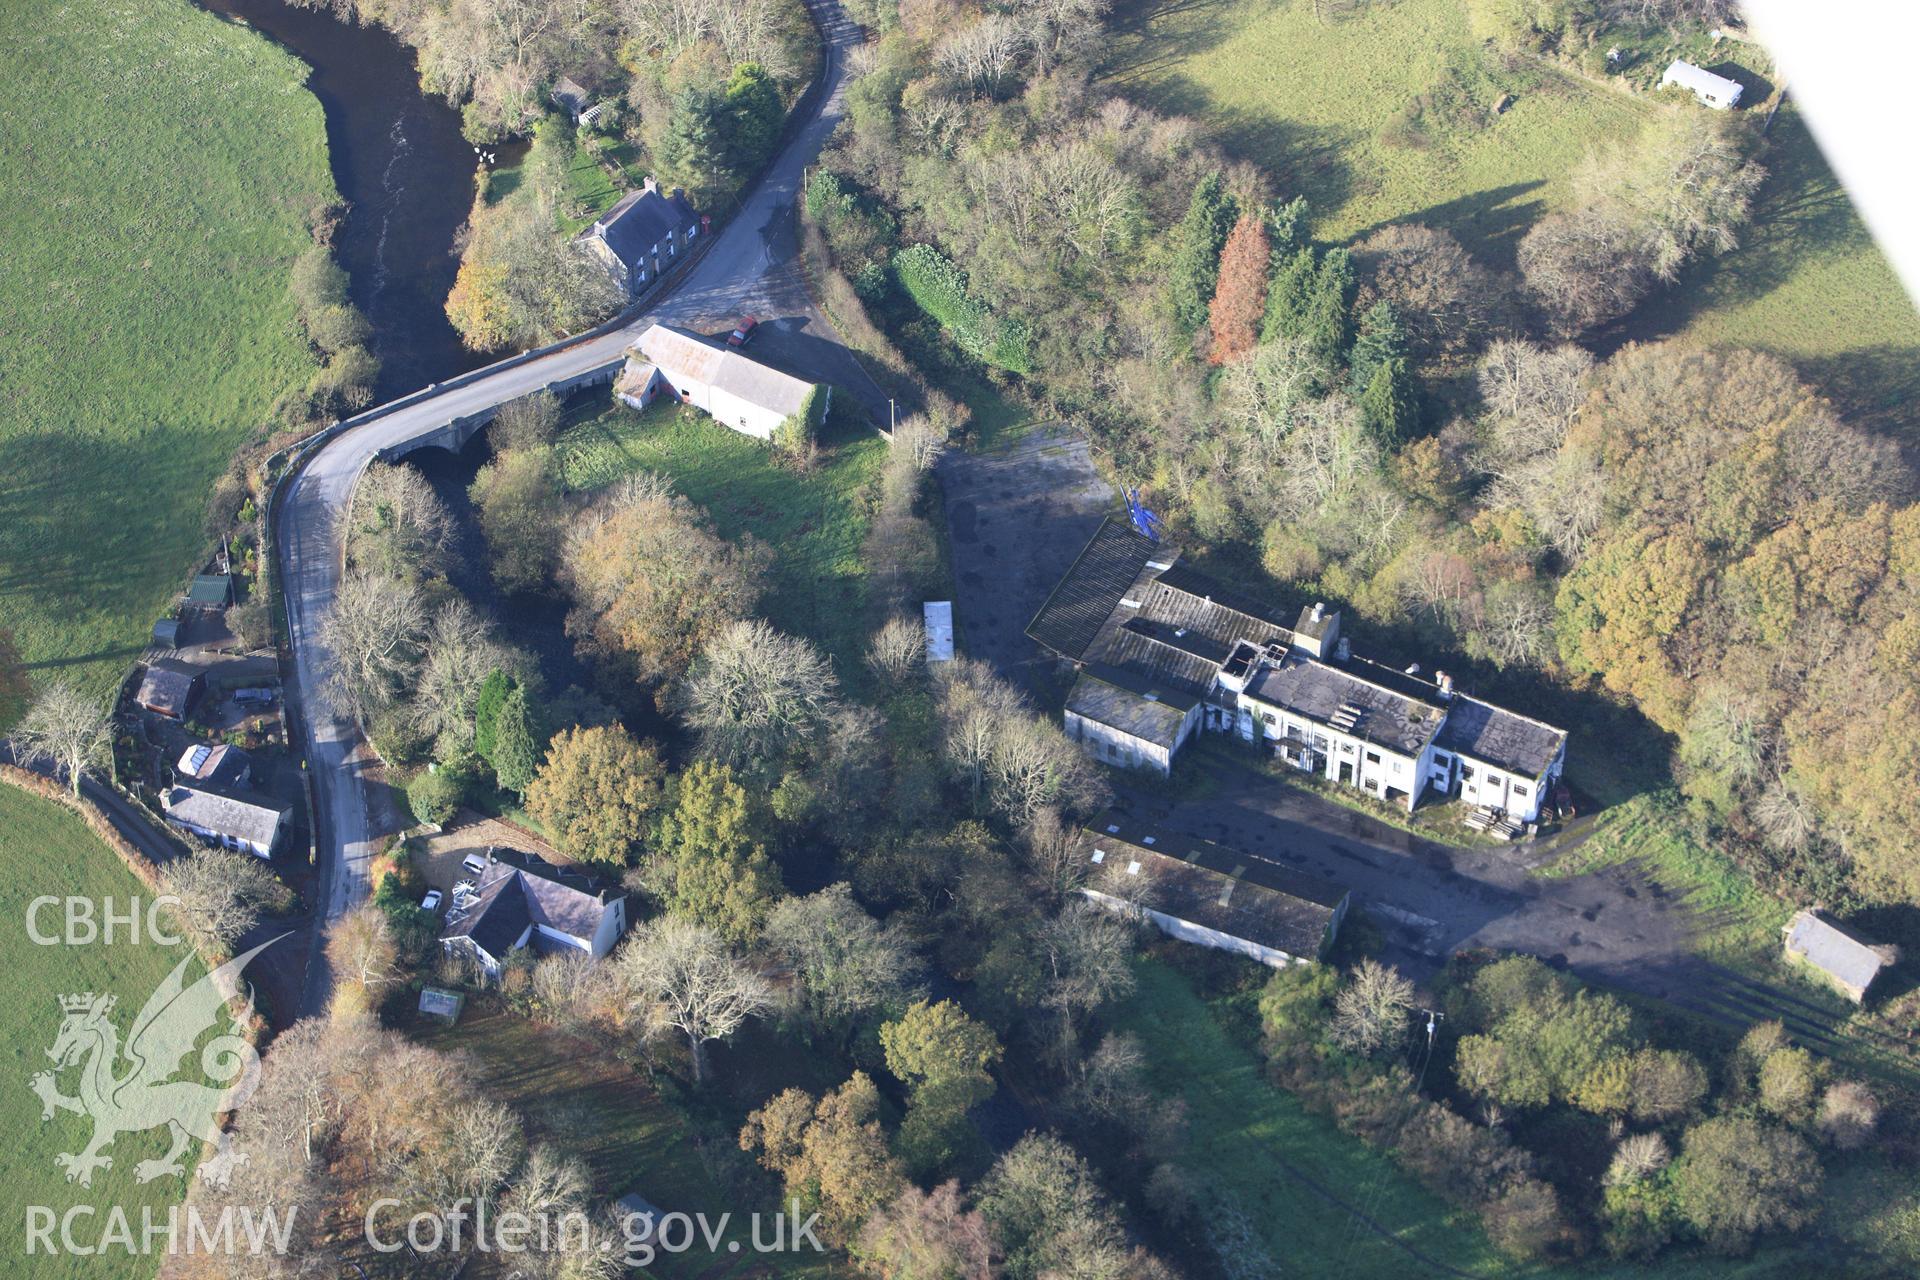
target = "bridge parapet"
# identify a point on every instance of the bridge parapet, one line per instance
(453, 436)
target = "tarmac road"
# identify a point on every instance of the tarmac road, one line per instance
(750, 268)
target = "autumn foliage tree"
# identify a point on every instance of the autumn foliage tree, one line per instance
(652, 582)
(596, 792)
(1240, 298)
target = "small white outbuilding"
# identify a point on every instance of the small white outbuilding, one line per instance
(937, 616)
(1715, 91)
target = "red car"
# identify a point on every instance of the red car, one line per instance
(742, 331)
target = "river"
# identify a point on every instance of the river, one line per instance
(407, 175)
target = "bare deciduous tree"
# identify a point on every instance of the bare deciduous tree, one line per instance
(219, 895)
(1583, 269)
(65, 728)
(920, 440)
(682, 977)
(527, 423)
(372, 638)
(459, 652)
(1639, 1156)
(898, 649)
(396, 523)
(360, 948)
(753, 694)
(847, 962)
(1848, 1114)
(1054, 852)
(1087, 957)
(1370, 1012)
(1009, 757)
(982, 55)
(1534, 394)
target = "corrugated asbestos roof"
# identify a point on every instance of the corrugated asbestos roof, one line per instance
(1238, 894)
(678, 353)
(1093, 587)
(1834, 949)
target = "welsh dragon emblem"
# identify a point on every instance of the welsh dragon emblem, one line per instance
(131, 1088)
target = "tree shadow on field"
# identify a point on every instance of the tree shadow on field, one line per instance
(1802, 215)
(1148, 36)
(75, 518)
(1152, 38)
(1488, 224)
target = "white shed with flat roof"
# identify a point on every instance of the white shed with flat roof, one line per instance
(1715, 91)
(938, 615)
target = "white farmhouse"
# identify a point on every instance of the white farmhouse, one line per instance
(1714, 91)
(743, 394)
(1164, 652)
(234, 819)
(522, 900)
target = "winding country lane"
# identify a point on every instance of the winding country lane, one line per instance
(750, 267)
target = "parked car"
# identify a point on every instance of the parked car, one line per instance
(742, 331)
(431, 902)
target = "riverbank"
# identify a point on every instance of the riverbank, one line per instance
(149, 214)
(405, 173)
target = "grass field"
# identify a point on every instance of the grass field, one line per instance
(1384, 113)
(1262, 1147)
(1298, 1178)
(1809, 284)
(630, 1139)
(812, 520)
(156, 169)
(45, 849)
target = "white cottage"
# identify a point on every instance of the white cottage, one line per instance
(740, 393)
(521, 900)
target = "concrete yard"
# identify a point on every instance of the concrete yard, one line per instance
(1016, 518)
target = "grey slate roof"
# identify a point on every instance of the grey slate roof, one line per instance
(1141, 621)
(237, 814)
(1500, 737)
(569, 94)
(1318, 692)
(640, 221)
(1238, 894)
(521, 889)
(1834, 949)
(496, 917)
(1122, 700)
(676, 353)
